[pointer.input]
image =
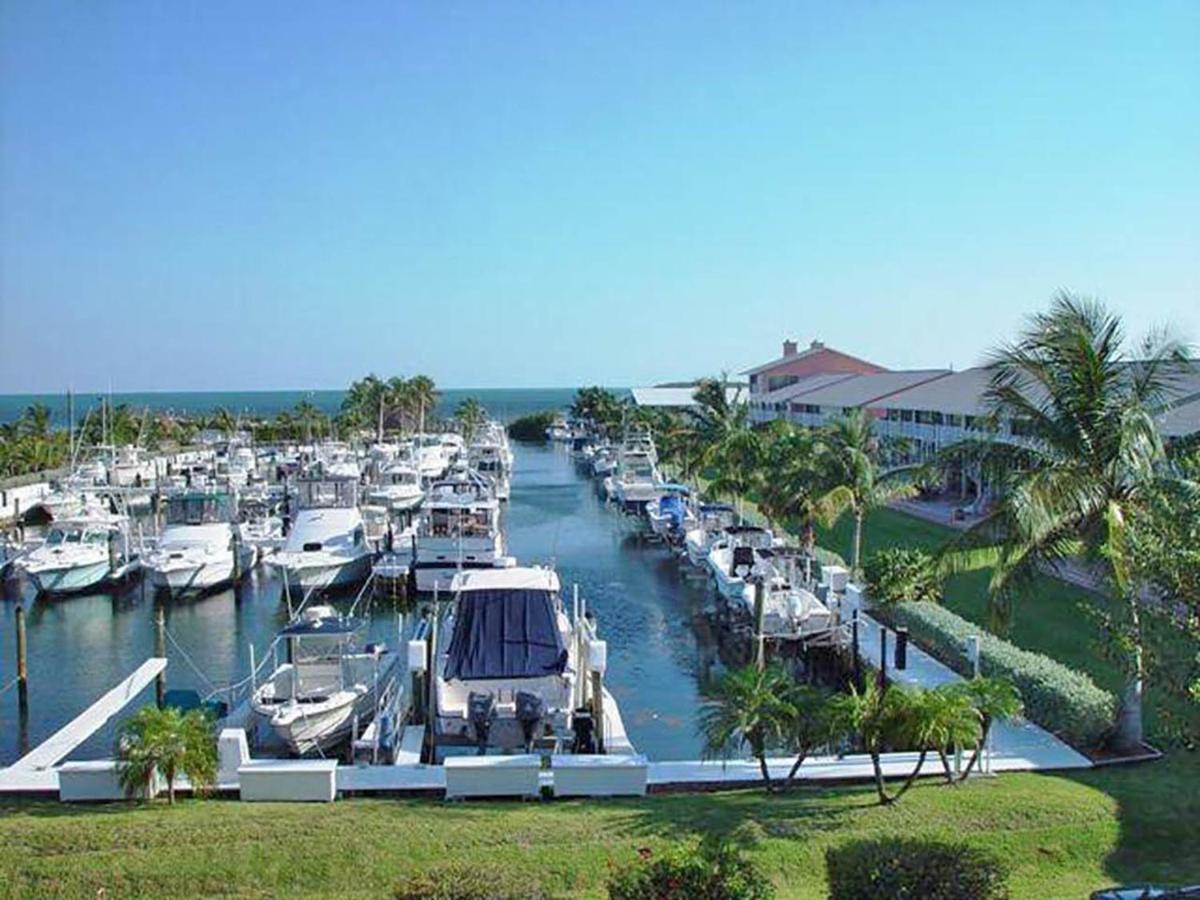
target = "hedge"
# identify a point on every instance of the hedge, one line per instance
(900, 869)
(1060, 699)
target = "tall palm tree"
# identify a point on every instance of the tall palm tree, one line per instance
(35, 421)
(423, 396)
(858, 483)
(750, 710)
(796, 482)
(470, 415)
(1085, 458)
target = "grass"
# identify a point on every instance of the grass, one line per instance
(1061, 835)
(1052, 618)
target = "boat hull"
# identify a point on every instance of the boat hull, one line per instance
(71, 580)
(199, 577)
(330, 576)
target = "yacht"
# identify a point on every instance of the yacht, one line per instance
(514, 673)
(398, 488)
(82, 553)
(332, 684)
(326, 547)
(460, 529)
(131, 467)
(558, 430)
(201, 547)
(337, 460)
(431, 459)
(491, 457)
(635, 482)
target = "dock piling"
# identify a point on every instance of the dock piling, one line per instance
(160, 650)
(22, 668)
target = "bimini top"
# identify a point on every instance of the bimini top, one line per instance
(332, 625)
(512, 578)
(716, 507)
(672, 488)
(505, 634)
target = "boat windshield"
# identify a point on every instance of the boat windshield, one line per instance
(60, 536)
(198, 510)
(97, 537)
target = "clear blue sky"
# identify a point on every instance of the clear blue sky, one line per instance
(255, 195)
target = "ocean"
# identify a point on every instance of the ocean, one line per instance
(504, 404)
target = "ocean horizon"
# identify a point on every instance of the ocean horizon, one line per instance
(504, 404)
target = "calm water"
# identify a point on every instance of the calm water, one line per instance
(658, 649)
(502, 403)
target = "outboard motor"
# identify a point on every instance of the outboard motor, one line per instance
(584, 728)
(530, 710)
(743, 561)
(481, 710)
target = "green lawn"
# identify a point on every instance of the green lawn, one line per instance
(1051, 619)
(1062, 836)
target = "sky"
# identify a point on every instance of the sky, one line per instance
(231, 195)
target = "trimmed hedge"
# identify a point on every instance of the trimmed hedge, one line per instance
(911, 869)
(1060, 699)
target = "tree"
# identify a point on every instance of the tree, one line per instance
(858, 486)
(166, 742)
(749, 709)
(1084, 459)
(598, 406)
(994, 700)
(795, 482)
(470, 415)
(810, 725)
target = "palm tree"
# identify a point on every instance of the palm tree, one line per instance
(35, 421)
(1086, 456)
(423, 397)
(858, 486)
(810, 726)
(749, 709)
(166, 742)
(796, 486)
(471, 415)
(994, 700)
(949, 721)
(737, 468)
(223, 420)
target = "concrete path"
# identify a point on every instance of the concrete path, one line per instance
(1015, 745)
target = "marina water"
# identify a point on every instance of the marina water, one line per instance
(660, 651)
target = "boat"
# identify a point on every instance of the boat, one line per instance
(430, 456)
(558, 429)
(460, 529)
(635, 481)
(326, 547)
(398, 488)
(738, 554)
(712, 520)
(336, 459)
(201, 547)
(670, 514)
(517, 671)
(490, 456)
(82, 553)
(331, 686)
(131, 467)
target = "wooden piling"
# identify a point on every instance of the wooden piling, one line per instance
(160, 650)
(22, 667)
(760, 655)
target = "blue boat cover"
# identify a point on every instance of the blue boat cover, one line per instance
(505, 634)
(671, 507)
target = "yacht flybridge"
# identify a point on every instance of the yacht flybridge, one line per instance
(459, 529)
(327, 547)
(491, 456)
(201, 547)
(514, 671)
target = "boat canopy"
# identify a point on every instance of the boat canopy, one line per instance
(505, 634)
(332, 626)
(673, 488)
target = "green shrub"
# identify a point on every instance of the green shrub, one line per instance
(531, 427)
(898, 869)
(1060, 699)
(901, 575)
(690, 873)
(456, 881)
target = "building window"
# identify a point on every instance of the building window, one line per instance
(906, 415)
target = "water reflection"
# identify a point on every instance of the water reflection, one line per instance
(660, 647)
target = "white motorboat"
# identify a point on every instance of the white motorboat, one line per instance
(712, 520)
(460, 529)
(326, 547)
(336, 459)
(739, 553)
(490, 456)
(332, 685)
(514, 671)
(82, 553)
(671, 513)
(201, 547)
(430, 456)
(558, 430)
(131, 467)
(398, 488)
(635, 482)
